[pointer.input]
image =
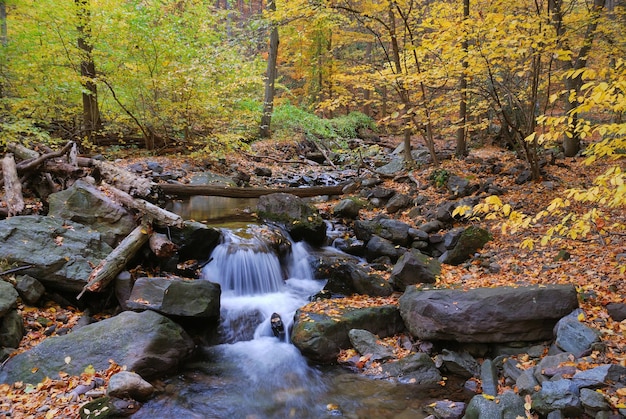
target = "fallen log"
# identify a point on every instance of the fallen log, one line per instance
(152, 211)
(12, 186)
(231, 192)
(124, 180)
(116, 261)
(161, 246)
(22, 152)
(63, 168)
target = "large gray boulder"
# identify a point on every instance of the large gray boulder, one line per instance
(85, 204)
(147, 343)
(321, 336)
(301, 220)
(176, 297)
(11, 329)
(366, 342)
(379, 247)
(502, 314)
(62, 253)
(416, 369)
(348, 208)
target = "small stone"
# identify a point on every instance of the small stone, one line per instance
(129, 384)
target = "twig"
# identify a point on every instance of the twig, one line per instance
(31, 164)
(19, 268)
(321, 150)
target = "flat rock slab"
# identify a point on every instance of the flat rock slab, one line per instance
(61, 253)
(502, 314)
(147, 343)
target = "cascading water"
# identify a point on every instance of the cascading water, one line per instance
(253, 374)
(244, 266)
(256, 282)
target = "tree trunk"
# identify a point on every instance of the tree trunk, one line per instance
(571, 142)
(270, 77)
(3, 24)
(461, 143)
(4, 40)
(407, 145)
(91, 112)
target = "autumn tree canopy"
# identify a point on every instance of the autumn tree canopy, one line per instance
(533, 76)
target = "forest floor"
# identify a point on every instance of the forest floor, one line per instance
(591, 264)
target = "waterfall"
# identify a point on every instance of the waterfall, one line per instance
(256, 282)
(244, 266)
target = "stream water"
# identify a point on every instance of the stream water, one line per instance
(251, 374)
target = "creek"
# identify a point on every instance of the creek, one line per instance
(251, 373)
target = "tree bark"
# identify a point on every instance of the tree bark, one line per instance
(270, 77)
(4, 40)
(191, 190)
(91, 113)
(116, 261)
(461, 133)
(571, 142)
(12, 186)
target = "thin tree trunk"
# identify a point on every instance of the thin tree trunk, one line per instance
(3, 24)
(461, 143)
(4, 40)
(91, 112)
(270, 79)
(571, 142)
(407, 145)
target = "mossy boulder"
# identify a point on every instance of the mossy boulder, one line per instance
(472, 239)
